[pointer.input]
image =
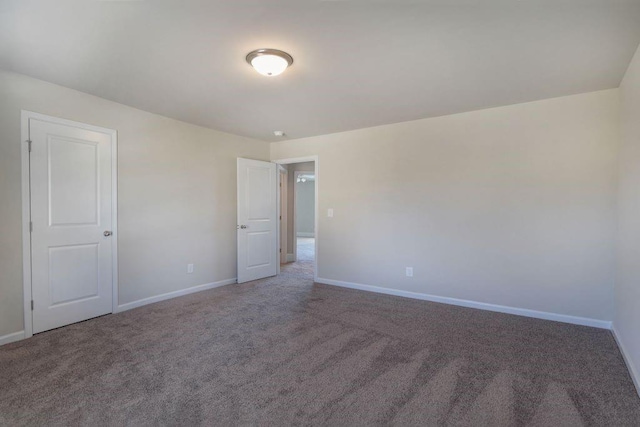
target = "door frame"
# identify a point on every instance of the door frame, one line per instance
(315, 161)
(26, 208)
(282, 213)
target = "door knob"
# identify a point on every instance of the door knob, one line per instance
(107, 233)
(244, 226)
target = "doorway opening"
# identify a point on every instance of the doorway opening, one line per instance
(298, 214)
(69, 222)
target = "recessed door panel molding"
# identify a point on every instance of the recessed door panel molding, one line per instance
(259, 193)
(74, 181)
(72, 230)
(257, 220)
(258, 251)
(74, 272)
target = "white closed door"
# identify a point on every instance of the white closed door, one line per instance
(257, 220)
(71, 214)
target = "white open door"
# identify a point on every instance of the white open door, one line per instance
(72, 219)
(257, 220)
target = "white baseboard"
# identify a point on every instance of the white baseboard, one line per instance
(291, 257)
(635, 374)
(174, 294)
(16, 336)
(305, 234)
(603, 324)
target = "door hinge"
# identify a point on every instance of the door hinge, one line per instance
(30, 226)
(29, 145)
(31, 305)
(281, 217)
(280, 250)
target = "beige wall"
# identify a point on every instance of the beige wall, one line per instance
(176, 193)
(512, 206)
(627, 290)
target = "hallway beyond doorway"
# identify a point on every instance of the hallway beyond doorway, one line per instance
(306, 249)
(298, 205)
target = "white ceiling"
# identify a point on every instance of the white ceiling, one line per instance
(357, 63)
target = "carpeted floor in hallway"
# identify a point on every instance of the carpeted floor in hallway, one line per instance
(305, 249)
(287, 351)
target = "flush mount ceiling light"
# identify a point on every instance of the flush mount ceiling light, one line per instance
(269, 62)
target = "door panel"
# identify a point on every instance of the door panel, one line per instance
(259, 192)
(71, 202)
(73, 273)
(257, 220)
(258, 251)
(73, 179)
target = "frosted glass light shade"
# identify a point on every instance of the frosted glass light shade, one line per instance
(269, 65)
(269, 62)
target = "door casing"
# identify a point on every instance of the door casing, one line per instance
(26, 208)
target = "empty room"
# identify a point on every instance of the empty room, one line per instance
(408, 212)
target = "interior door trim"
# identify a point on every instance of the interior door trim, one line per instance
(26, 207)
(282, 215)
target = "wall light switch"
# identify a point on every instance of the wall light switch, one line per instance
(409, 271)
(189, 268)
(330, 213)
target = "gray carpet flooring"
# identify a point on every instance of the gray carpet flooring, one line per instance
(286, 351)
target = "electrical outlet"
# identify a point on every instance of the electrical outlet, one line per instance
(189, 268)
(330, 213)
(409, 271)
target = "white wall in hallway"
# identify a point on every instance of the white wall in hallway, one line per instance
(512, 206)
